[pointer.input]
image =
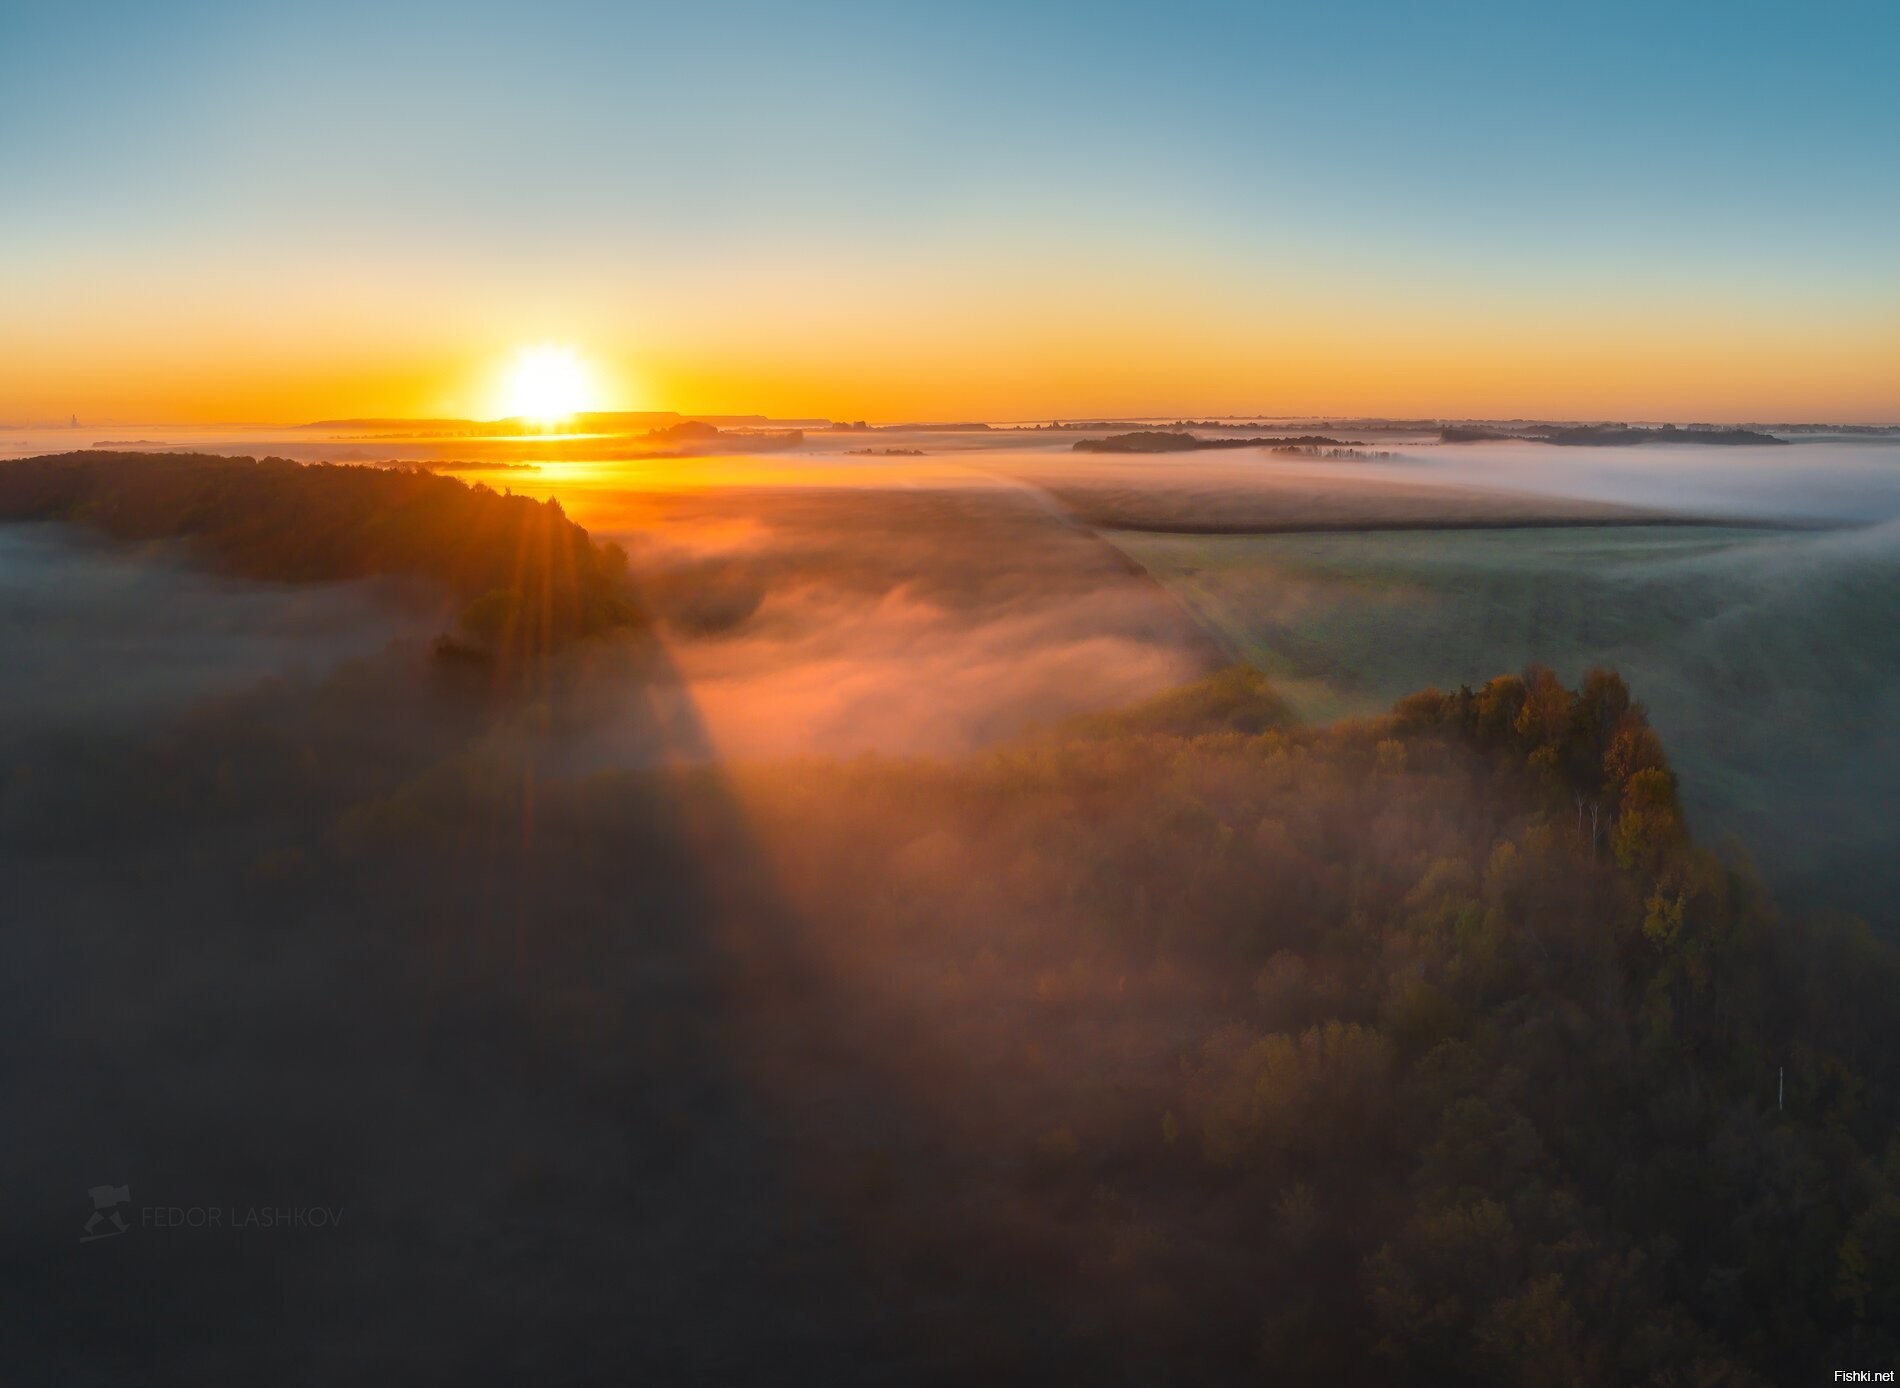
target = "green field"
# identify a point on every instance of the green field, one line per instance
(1770, 660)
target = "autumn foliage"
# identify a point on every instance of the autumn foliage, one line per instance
(1432, 1047)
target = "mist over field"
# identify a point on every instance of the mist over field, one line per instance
(818, 602)
(1760, 635)
(1848, 479)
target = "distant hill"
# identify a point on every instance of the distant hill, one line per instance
(1163, 441)
(1606, 435)
(1463, 433)
(1619, 435)
(412, 426)
(531, 579)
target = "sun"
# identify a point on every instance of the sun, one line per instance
(548, 384)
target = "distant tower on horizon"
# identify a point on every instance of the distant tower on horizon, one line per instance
(73, 422)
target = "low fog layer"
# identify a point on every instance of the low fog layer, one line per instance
(908, 614)
(923, 618)
(1844, 478)
(1844, 481)
(96, 637)
(831, 604)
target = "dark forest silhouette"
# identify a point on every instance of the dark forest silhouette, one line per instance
(531, 579)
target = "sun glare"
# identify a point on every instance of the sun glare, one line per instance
(548, 384)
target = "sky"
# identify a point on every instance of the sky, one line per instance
(258, 212)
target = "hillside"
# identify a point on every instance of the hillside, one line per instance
(531, 579)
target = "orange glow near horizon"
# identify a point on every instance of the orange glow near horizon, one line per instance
(957, 347)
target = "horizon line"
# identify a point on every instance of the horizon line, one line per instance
(1205, 417)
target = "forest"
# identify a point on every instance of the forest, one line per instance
(1181, 1042)
(1425, 1047)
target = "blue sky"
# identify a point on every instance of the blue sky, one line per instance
(1532, 154)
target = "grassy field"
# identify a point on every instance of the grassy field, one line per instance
(1770, 660)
